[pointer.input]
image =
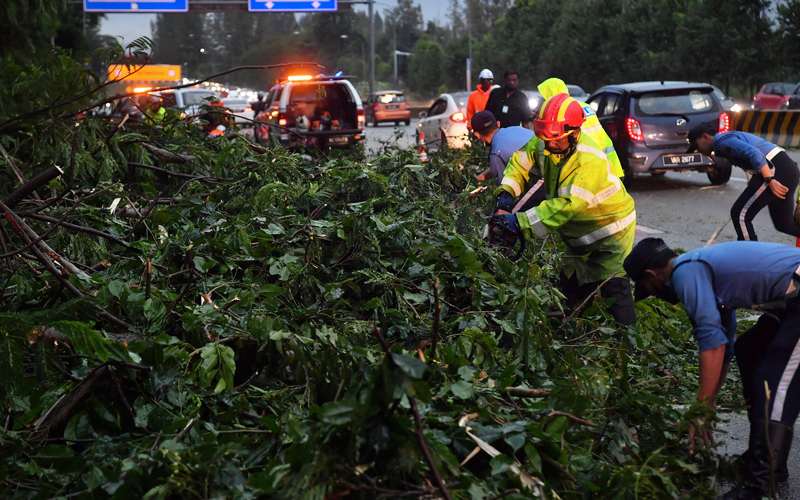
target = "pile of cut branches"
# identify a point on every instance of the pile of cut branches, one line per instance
(195, 317)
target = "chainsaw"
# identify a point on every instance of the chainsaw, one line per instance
(503, 237)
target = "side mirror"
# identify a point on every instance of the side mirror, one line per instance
(423, 114)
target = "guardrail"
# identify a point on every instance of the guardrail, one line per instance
(778, 127)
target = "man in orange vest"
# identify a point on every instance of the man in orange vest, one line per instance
(477, 99)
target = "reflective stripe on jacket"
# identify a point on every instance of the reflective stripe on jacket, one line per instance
(589, 207)
(517, 175)
(590, 127)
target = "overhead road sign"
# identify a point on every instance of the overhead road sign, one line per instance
(291, 5)
(136, 6)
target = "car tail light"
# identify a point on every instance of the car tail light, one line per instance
(407, 106)
(361, 119)
(282, 120)
(376, 107)
(458, 117)
(634, 129)
(247, 110)
(724, 123)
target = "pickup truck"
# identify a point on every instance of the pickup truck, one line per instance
(313, 111)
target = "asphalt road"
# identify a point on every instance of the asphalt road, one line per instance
(685, 210)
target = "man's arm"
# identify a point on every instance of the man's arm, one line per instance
(713, 370)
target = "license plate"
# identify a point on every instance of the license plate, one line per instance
(679, 160)
(392, 106)
(337, 140)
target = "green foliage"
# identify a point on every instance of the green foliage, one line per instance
(250, 370)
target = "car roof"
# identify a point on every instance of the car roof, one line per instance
(381, 92)
(657, 85)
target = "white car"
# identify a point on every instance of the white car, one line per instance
(444, 124)
(242, 110)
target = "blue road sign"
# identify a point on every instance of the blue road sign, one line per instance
(291, 5)
(136, 5)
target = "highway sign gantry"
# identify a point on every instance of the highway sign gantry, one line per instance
(136, 5)
(291, 5)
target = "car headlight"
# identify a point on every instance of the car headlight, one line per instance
(533, 102)
(736, 108)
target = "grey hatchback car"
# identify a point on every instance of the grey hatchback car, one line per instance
(649, 122)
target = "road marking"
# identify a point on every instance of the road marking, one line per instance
(739, 179)
(647, 230)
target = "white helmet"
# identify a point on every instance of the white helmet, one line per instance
(486, 74)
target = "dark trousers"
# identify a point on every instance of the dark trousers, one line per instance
(616, 288)
(770, 351)
(757, 195)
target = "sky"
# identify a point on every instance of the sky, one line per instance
(132, 26)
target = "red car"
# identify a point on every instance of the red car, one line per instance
(774, 95)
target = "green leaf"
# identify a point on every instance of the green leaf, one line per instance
(462, 389)
(340, 412)
(411, 366)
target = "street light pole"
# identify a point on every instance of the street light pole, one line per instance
(363, 60)
(371, 47)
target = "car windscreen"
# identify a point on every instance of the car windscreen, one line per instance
(201, 97)
(390, 98)
(461, 99)
(787, 88)
(675, 102)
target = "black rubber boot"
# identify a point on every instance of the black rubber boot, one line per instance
(780, 440)
(756, 484)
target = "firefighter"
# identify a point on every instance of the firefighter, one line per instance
(590, 127)
(587, 205)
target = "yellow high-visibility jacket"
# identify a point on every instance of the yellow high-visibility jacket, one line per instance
(587, 204)
(591, 127)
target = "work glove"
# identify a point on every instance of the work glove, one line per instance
(505, 203)
(507, 221)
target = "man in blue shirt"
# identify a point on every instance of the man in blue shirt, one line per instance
(505, 143)
(712, 283)
(775, 177)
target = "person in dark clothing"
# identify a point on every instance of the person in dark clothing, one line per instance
(775, 177)
(712, 283)
(508, 104)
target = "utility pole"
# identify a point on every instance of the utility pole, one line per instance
(371, 47)
(469, 35)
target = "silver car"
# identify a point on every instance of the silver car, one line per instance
(241, 109)
(444, 124)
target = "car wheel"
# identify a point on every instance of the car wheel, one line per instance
(396, 124)
(407, 122)
(719, 174)
(374, 121)
(784, 106)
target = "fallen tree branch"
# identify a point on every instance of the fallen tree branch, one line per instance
(419, 430)
(572, 417)
(32, 185)
(73, 227)
(65, 403)
(166, 155)
(170, 172)
(521, 392)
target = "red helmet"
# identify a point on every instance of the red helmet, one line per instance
(560, 116)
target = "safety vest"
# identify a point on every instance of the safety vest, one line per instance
(588, 206)
(591, 127)
(156, 117)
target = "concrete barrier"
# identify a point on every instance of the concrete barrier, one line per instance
(778, 127)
